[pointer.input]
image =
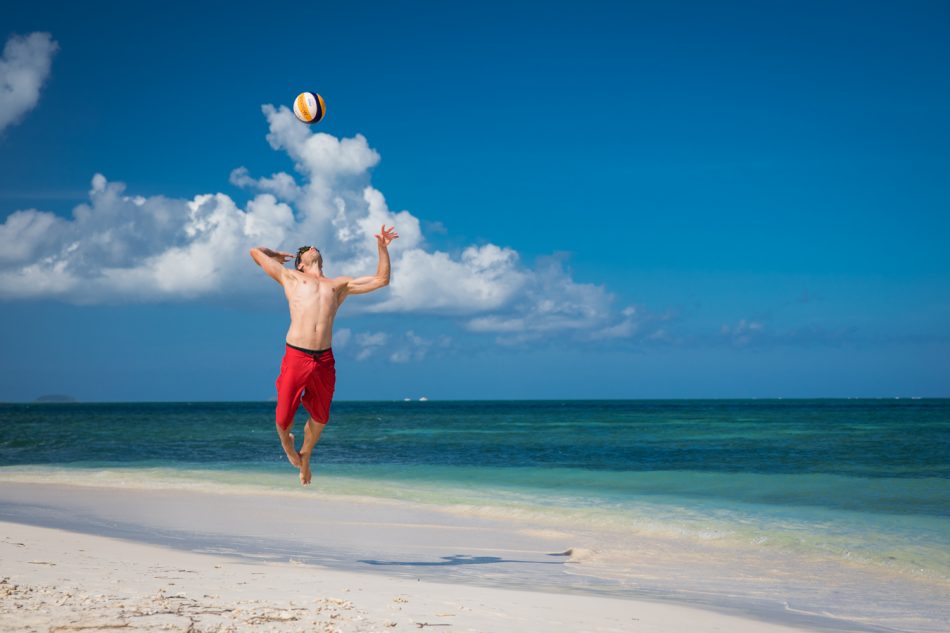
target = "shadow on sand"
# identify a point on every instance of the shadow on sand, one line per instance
(458, 559)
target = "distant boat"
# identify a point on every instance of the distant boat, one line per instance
(407, 399)
(423, 399)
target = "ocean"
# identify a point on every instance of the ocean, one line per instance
(833, 507)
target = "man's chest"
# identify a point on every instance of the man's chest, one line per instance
(312, 295)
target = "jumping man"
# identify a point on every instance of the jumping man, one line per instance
(308, 373)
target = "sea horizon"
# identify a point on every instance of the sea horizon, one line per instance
(437, 399)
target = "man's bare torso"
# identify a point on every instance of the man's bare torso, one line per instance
(313, 303)
(314, 299)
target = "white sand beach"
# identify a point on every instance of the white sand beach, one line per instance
(143, 560)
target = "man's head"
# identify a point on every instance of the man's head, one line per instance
(308, 257)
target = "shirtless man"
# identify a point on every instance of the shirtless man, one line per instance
(308, 373)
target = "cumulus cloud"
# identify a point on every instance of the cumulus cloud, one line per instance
(369, 343)
(483, 278)
(280, 184)
(24, 67)
(549, 300)
(413, 347)
(120, 247)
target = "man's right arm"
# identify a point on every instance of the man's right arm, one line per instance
(272, 262)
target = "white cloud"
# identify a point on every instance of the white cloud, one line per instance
(749, 333)
(483, 278)
(495, 323)
(742, 333)
(415, 347)
(625, 328)
(280, 184)
(24, 67)
(551, 301)
(119, 247)
(341, 337)
(23, 231)
(369, 343)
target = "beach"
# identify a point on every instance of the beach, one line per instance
(506, 516)
(73, 579)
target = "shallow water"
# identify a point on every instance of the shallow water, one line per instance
(793, 495)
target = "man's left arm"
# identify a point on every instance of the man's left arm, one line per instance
(362, 285)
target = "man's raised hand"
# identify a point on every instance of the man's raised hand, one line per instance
(280, 256)
(386, 236)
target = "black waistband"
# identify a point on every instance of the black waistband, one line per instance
(312, 352)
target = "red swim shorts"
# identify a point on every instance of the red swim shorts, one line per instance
(307, 376)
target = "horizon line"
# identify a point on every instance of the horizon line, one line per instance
(410, 400)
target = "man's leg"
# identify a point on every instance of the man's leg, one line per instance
(311, 435)
(317, 399)
(287, 442)
(290, 386)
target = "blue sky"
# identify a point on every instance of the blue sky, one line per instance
(597, 200)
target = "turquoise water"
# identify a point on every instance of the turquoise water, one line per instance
(836, 487)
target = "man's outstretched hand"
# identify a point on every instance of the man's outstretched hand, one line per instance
(386, 236)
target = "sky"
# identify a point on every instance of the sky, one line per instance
(594, 200)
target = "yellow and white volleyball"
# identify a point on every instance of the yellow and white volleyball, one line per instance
(309, 107)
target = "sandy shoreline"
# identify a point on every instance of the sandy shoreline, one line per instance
(54, 580)
(75, 556)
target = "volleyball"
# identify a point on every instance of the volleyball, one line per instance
(309, 107)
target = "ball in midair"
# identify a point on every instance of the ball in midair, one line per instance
(309, 107)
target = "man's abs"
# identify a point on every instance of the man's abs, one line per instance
(310, 336)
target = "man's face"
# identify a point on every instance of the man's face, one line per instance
(310, 257)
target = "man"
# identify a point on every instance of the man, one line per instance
(308, 373)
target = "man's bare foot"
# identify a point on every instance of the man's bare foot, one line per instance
(287, 442)
(305, 474)
(311, 433)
